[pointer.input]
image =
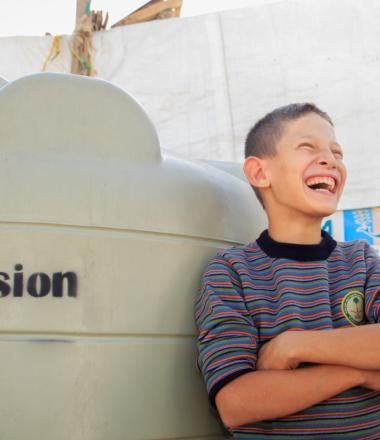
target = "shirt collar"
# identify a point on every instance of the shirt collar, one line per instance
(300, 252)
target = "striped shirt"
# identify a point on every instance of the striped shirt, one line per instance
(252, 293)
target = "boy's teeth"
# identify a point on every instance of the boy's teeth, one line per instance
(321, 179)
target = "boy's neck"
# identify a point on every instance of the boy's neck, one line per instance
(301, 232)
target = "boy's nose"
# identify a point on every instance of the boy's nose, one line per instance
(329, 163)
(327, 159)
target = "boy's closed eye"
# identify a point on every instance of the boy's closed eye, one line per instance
(307, 146)
(338, 154)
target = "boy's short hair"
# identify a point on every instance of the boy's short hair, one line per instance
(263, 136)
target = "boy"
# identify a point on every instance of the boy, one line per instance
(284, 342)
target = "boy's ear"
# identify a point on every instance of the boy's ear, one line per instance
(256, 172)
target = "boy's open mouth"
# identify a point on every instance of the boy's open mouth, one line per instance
(321, 183)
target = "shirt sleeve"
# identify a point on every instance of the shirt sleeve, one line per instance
(227, 341)
(372, 285)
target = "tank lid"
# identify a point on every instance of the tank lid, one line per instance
(92, 117)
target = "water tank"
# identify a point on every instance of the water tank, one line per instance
(103, 239)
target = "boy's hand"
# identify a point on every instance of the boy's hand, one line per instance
(280, 353)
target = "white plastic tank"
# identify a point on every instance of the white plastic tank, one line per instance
(2, 81)
(103, 240)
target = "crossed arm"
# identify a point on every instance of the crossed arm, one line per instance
(345, 358)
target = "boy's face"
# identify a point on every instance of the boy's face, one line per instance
(307, 174)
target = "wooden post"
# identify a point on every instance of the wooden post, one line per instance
(81, 7)
(81, 47)
(87, 22)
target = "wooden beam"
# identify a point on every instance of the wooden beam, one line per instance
(150, 11)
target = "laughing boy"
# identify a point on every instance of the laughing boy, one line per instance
(289, 333)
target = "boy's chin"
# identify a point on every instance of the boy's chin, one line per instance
(325, 211)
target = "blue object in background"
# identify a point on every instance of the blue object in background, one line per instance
(358, 225)
(327, 226)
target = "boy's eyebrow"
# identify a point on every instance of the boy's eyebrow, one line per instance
(336, 144)
(305, 136)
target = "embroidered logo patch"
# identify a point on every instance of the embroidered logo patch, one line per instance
(353, 307)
